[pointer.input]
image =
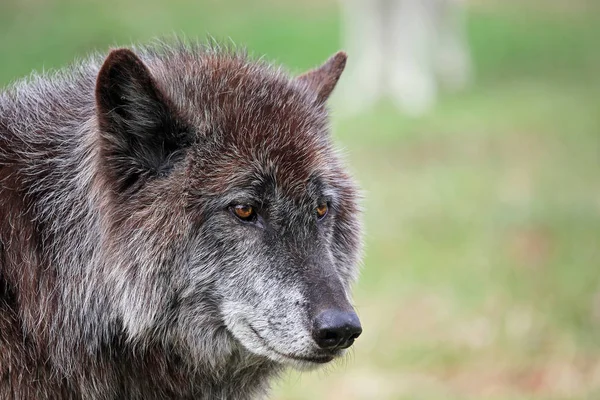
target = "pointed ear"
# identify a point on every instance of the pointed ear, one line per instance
(139, 128)
(323, 79)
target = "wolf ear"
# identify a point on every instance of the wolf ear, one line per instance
(322, 80)
(139, 128)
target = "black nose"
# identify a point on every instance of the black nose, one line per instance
(336, 329)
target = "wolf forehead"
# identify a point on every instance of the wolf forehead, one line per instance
(250, 123)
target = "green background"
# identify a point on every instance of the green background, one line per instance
(482, 271)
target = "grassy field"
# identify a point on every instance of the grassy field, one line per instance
(482, 270)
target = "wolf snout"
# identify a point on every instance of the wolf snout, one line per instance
(336, 329)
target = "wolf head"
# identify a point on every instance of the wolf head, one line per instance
(229, 222)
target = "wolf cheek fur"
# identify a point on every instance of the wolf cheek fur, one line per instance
(125, 269)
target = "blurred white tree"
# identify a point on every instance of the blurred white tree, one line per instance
(405, 49)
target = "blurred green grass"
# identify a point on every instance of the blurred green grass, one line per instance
(482, 269)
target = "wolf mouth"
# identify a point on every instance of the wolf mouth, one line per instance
(317, 359)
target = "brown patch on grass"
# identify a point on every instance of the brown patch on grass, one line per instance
(531, 247)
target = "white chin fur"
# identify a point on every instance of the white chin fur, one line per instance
(255, 343)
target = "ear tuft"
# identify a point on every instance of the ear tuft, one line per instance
(322, 80)
(140, 130)
(122, 77)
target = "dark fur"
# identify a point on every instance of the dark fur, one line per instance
(122, 272)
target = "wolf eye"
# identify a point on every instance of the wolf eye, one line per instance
(244, 212)
(322, 210)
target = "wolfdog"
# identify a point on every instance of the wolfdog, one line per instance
(174, 223)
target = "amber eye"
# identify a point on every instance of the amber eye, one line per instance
(244, 212)
(322, 210)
